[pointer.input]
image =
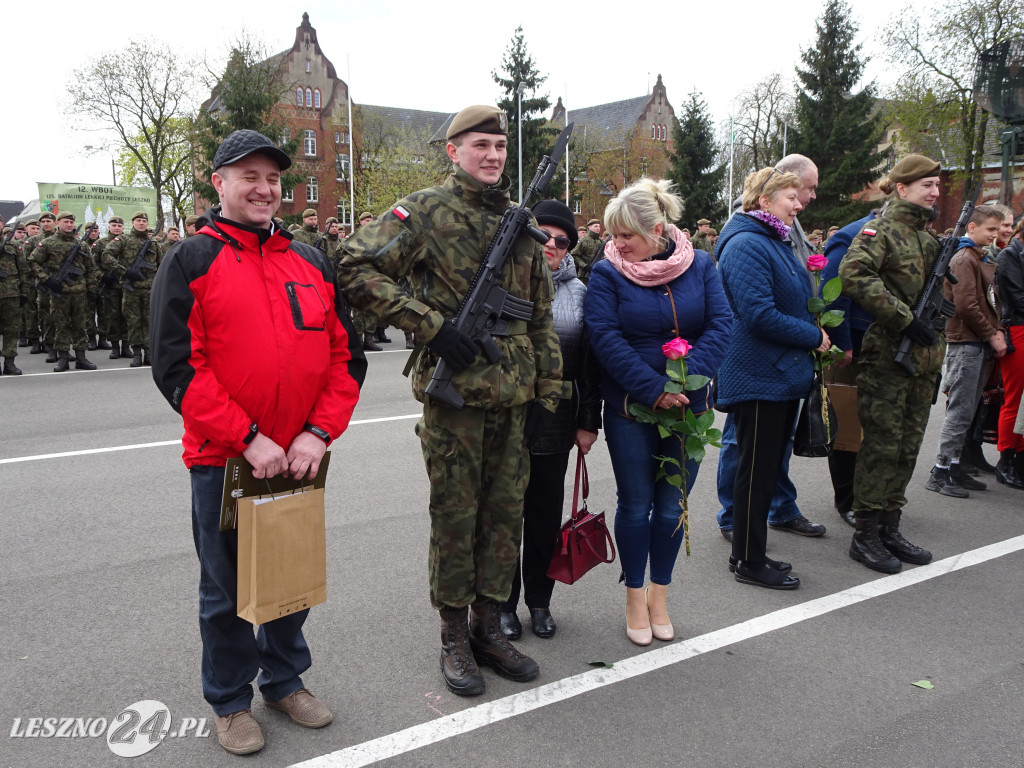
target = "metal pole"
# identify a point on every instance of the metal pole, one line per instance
(785, 127)
(113, 171)
(567, 181)
(351, 161)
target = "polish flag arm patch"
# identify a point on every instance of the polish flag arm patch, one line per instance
(400, 212)
(869, 231)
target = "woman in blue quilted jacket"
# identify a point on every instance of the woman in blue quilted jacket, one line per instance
(651, 287)
(768, 368)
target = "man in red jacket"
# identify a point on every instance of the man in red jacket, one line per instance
(254, 348)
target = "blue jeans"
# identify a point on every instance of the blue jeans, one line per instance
(233, 653)
(783, 508)
(648, 511)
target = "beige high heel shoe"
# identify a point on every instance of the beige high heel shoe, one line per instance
(661, 631)
(642, 636)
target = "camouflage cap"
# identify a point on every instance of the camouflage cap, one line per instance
(913, 167)
(19, 225)
(140, 215)
(482, 118)
(115, 220)
(47, 215)
(308, 212)
(191, 220)
(702, 222)
(65, 215)
(242, 143)
(592, 222)
(365, 215)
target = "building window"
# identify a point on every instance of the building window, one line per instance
(310, 143)
(577, 207)
(341, 164)
(654, 131)
(312, 190)
(316, 98)
(298, 97)
(343, 137)
(309, 97)
(287, 195)
(307, 65)
(337, 137)
(343, 213)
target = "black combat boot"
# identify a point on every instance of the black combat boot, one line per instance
(103, 343)
(10, 369)
(136, 358)
(23, 341)
(380, 336)
(893, 540)
(370, 345)
(61, 360)
(37, 347)
(1006, 470)
(91, 346)
(52, 355)
(492, 649)
(146, 359)
(941, 482)
(82, 363)
(126, 350)
(867, 547)
(461, 674)
(115, 351)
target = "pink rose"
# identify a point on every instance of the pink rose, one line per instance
(676, 349)
(816, 262)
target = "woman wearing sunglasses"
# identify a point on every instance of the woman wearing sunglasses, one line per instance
(650, 288)
(576, 422)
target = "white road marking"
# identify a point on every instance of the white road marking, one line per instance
(443, 728)
(163, 443)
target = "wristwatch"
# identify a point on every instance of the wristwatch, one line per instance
(253, 431)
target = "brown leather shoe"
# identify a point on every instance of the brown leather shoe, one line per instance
(303, 708)
(239, 733)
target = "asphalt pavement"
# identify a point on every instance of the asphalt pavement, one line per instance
(98, 593)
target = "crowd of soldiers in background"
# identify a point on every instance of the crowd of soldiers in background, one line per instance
(61, 293)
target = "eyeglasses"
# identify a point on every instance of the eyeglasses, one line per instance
(767, 179)
(560, 242)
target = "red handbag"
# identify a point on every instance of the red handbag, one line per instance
(584, 540)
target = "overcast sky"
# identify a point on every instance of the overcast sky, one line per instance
(401, 54)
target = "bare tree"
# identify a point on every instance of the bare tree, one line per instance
(137, 95)
(760, 115)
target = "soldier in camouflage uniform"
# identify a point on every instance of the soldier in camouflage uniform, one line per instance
(48, 226)
(700, 241)
(884, 271)
(475, 456)
(30, 311)
(308, 232)
(331, 245)
(111, 318)
(71, 302)
(14, 283)
(586, 249)
(118, 256)
(173, 237)
(190, 226)
(365, 321)
(17, 241)
(92, 238)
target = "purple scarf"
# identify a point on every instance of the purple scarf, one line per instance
(772, 221)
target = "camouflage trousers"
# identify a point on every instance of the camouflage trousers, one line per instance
(30, 315)
(478, 468)
(135, 308)
(364, 322)
(111, 322)
(10, 325)
(893, 410)
(71, 315)
(46, 327)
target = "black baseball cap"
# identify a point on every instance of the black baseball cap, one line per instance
(243, 143)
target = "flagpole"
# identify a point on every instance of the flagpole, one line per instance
(351, 159)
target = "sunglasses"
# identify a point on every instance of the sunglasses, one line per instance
(560, 242)
(767, 179)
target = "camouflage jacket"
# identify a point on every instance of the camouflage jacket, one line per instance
(332, 246)
(119, 254)
(585, 250)
(885, 271)
(701, 243)
(436, 238)
(49, 256)
(13, 264)
(306, 234)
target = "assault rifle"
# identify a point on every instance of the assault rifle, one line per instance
(56, 283)
(3, 247)
(319, 242)
(134, 273)
(487, 308)
(932, 305)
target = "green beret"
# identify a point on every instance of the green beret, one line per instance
(365, 215)
(32, 222)
(481, 119)
(712, 231)
(115, 220)
(47, 215)
(913, 167)
(140, 215)
(331, 220)
(833, 229)
(18, 226)
(191, 220)
(592, 222)
(65, 215)
(816, 233)
(308, 212)
(702, 222)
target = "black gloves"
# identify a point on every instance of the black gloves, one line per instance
(453, 346)
(53, 285)
(92, 296)
(23, 300)
(132, 276)
(920, 334)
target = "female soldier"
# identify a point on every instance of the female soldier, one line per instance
(885, 271)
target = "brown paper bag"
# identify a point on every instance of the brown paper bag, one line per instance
(282, 555)
(844, 400)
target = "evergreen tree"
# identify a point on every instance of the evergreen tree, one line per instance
(518, 67)
(243, 98)
(693, 167)
(835, 127)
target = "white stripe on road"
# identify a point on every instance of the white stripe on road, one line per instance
(163, 443)
(468, 720)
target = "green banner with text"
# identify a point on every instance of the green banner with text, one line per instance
(98, 203)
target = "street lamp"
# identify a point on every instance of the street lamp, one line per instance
(519, 132)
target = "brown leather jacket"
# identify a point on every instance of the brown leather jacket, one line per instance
(977, 306)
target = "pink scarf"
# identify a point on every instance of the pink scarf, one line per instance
(655, 271)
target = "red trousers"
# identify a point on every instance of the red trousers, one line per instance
(1012, 369)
